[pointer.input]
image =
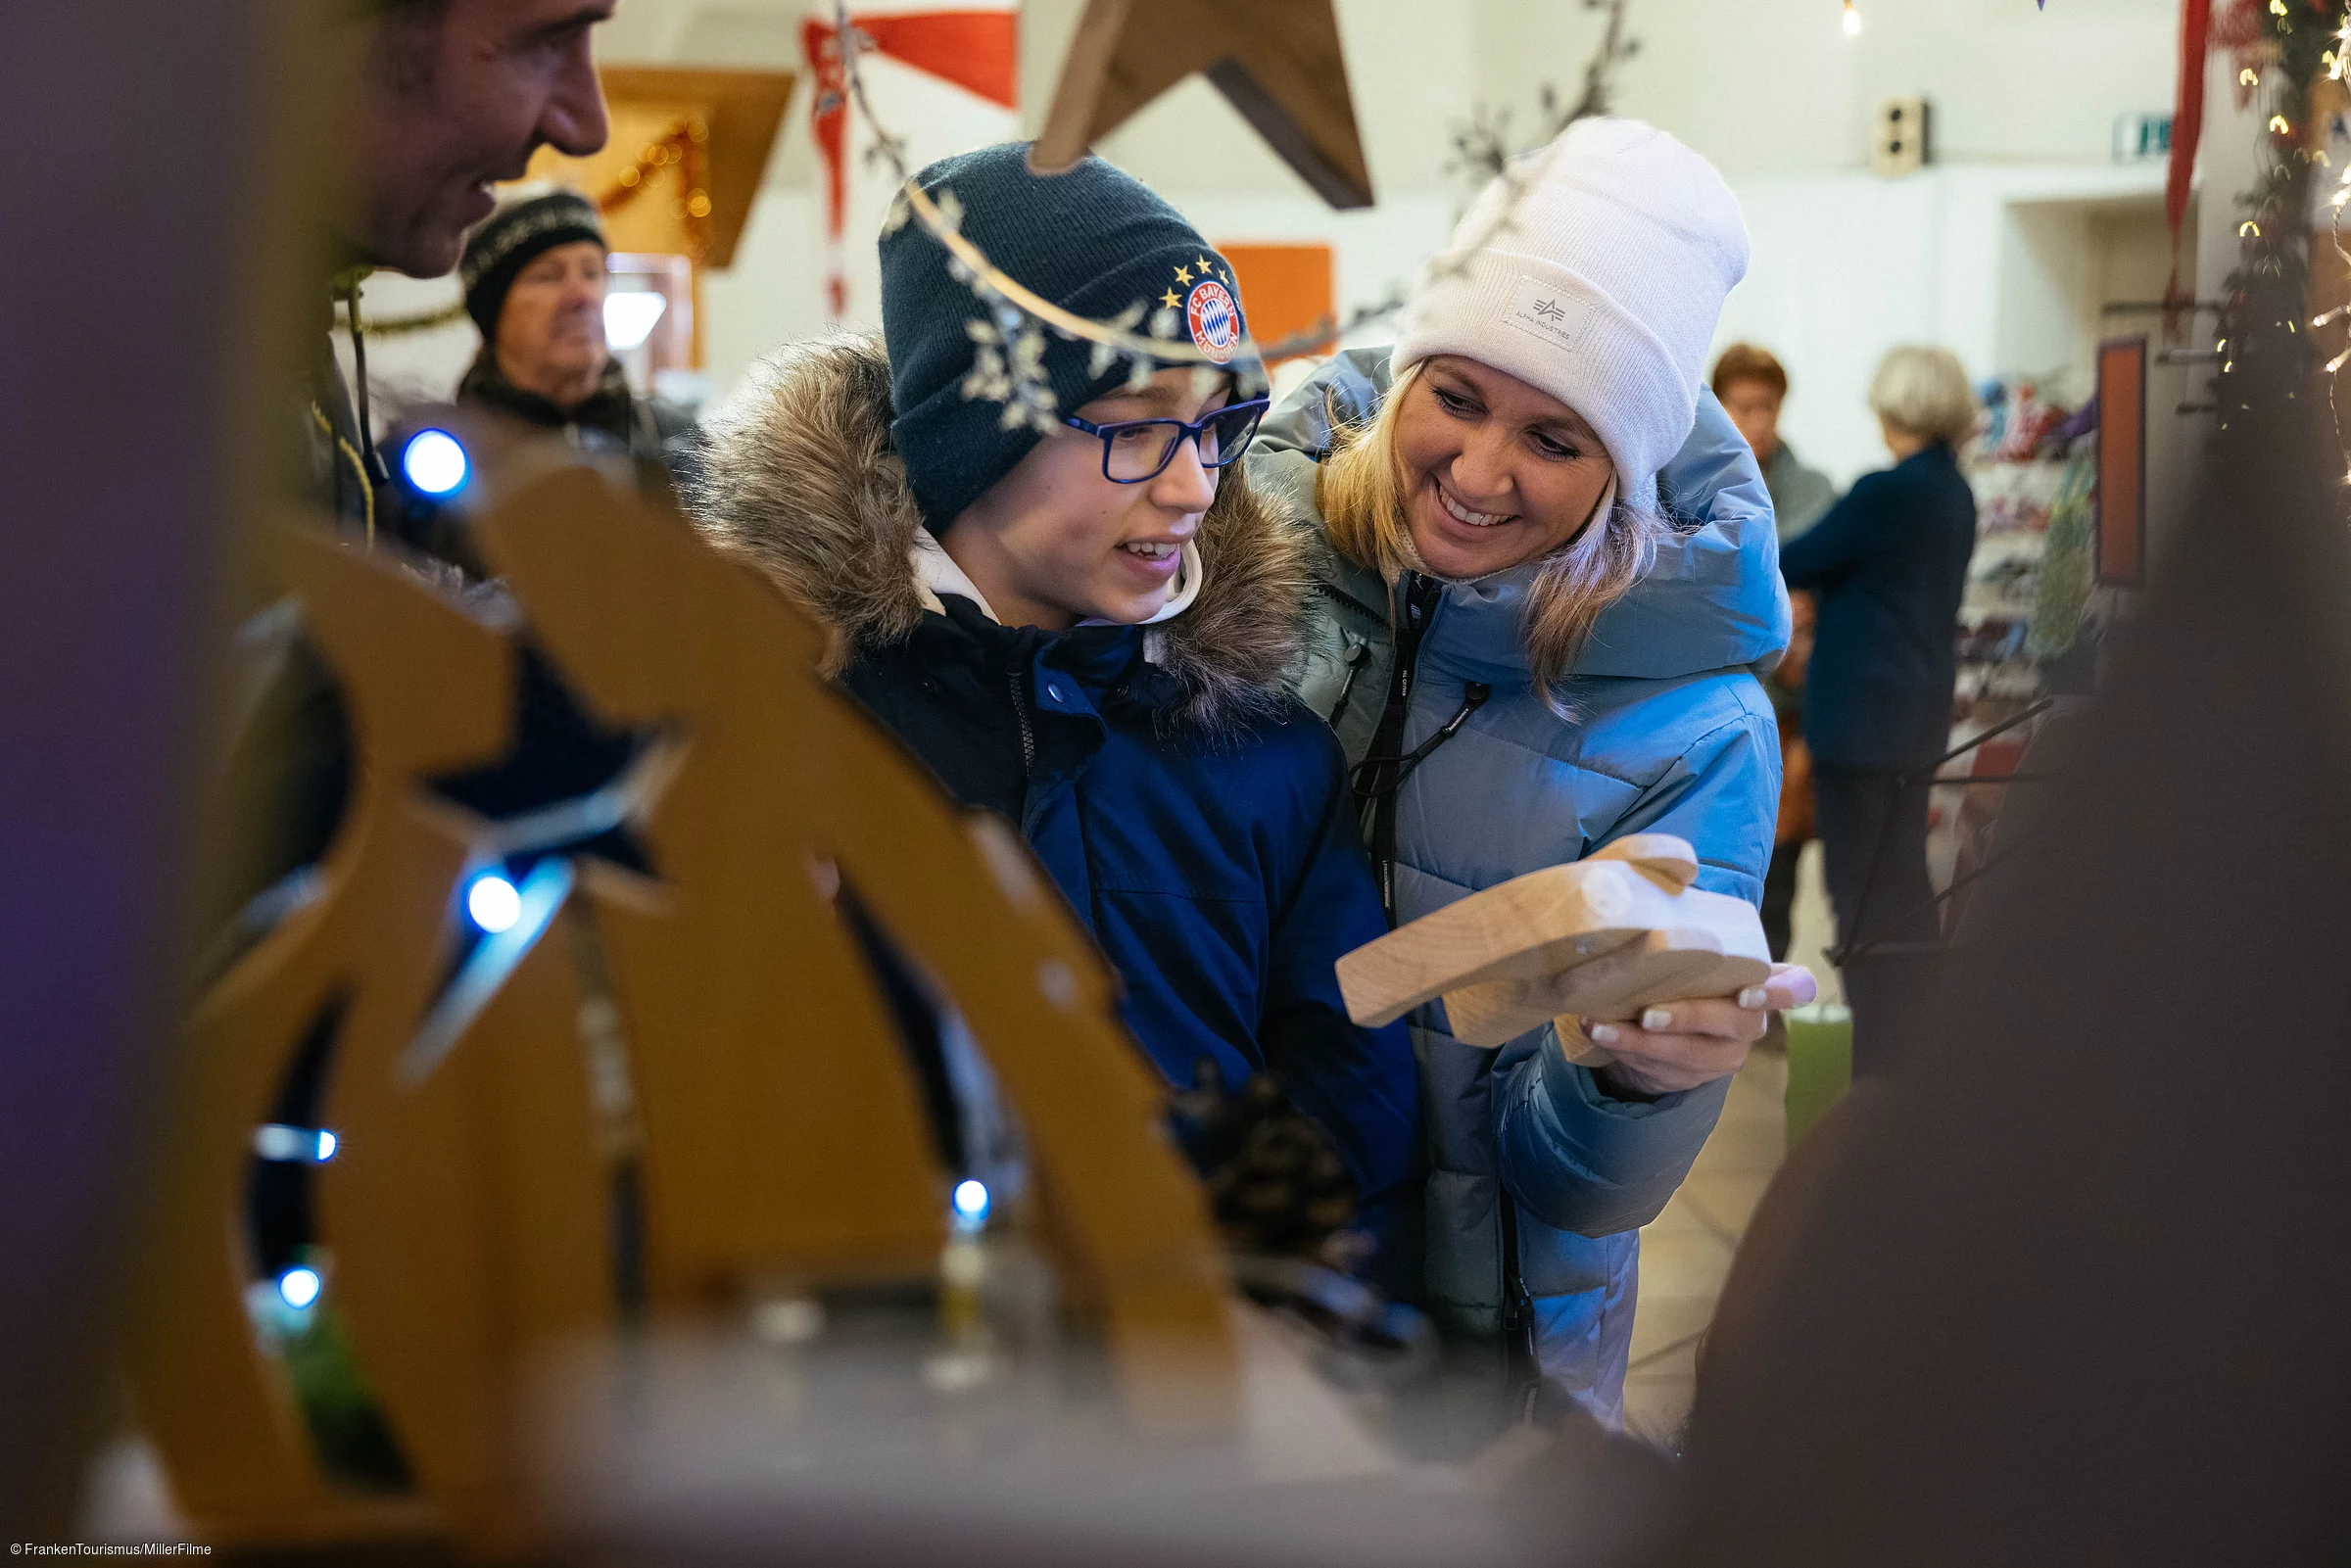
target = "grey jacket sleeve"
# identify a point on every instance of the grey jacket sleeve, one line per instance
(1578, 1160)
(1574, 1156)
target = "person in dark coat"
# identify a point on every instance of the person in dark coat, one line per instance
(536, 282)
(1082, 625)
(1887, 566)
(536, 279)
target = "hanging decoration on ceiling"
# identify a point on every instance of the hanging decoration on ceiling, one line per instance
(2188, 125)
(973, 51)
(1011, 332)
(1280, 66)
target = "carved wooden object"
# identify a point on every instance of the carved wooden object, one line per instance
(701, 1024)
(1602, 938)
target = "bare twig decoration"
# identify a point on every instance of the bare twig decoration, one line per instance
(1483, 148)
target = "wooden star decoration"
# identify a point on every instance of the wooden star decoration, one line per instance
(1279, 65)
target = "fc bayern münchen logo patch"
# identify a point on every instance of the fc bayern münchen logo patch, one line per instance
(1215, 316)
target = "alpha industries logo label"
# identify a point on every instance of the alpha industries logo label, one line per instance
(1547, 313)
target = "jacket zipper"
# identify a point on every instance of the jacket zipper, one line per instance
(1020, 710)
(1349, 602)
(1521, 1355)
(1420, 595)
(1521, 1361)
(1357, 657)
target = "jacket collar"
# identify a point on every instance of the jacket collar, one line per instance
(935, 574)
(802, 483)
(607, 408)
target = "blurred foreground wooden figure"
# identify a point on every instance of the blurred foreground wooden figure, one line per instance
(698, 1028)
(1602, 938)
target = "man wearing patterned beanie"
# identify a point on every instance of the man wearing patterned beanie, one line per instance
(1053, 584)
(536, 280)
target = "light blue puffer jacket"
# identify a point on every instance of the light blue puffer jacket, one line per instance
(1672, 734)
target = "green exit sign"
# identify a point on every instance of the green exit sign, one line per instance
(2139, 138)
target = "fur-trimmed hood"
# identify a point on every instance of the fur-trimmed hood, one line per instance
(800, 481)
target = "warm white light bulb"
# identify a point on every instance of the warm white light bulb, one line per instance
(1852, 21)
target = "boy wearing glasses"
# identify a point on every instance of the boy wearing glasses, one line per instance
(1084, 629)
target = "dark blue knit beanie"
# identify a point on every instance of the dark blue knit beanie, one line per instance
(1095, 242)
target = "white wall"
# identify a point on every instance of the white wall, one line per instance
(1995, 262)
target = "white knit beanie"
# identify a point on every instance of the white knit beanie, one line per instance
(1601, 286)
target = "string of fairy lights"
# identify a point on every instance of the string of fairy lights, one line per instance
(2338, 70)
(1009, 365)
(2267, 328)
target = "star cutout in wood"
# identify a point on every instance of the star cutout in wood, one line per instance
(570, 789)
(1279, 65)
(570, 785)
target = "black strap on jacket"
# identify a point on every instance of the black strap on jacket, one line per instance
(1376, 780)
(1384, 767)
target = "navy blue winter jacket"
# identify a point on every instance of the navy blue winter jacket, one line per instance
(1195, 816)
(1888, 564)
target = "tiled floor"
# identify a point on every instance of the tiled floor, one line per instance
(1687, 1252)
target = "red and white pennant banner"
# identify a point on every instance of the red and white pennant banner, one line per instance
(962, 90)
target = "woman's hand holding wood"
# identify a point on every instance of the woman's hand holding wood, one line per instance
(1676, 1046)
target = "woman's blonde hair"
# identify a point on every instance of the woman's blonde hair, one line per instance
(1923, 392)
(1363, 495)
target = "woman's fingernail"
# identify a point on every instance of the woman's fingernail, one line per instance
(1754, 996)
(1656, 1017)
(1600, 1033)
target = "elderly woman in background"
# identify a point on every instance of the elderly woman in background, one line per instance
(1751, 385)
(1887, 566)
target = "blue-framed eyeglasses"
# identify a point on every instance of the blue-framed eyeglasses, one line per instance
(1136, 450)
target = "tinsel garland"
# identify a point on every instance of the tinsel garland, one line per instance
(683, 145)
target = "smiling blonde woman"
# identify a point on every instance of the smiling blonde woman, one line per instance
(1547, 572)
